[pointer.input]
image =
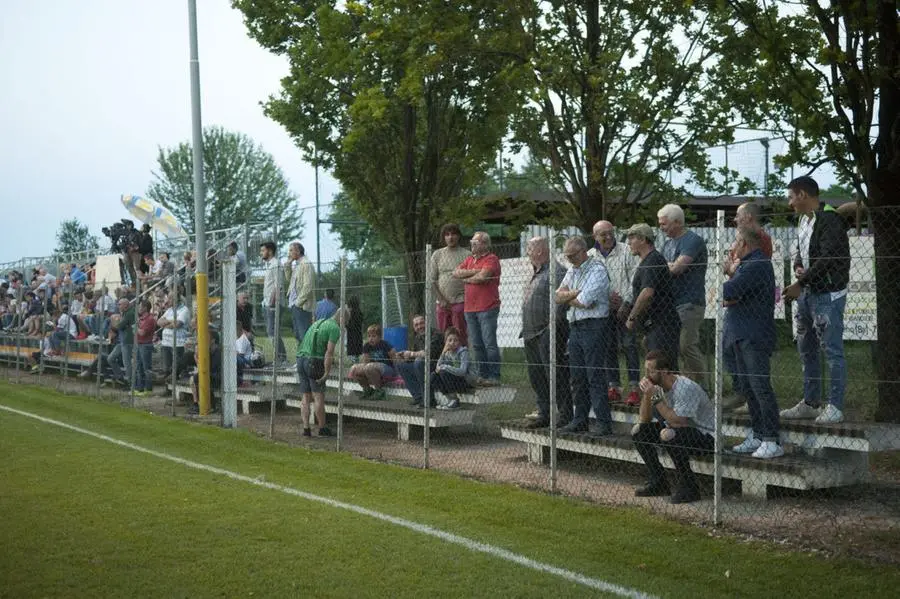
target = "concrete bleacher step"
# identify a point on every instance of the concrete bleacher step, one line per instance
(793, 471)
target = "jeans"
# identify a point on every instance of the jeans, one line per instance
(454, 315)
(693, 363)
(820, 326)
(413, 374)
(587, 349)
(123, 352)
(617, 334)
(537, 355)
(280, 353)
(483, 338)
(143, 378)
(301, 319)
(729, 359)
(753, 370)
(686, 442)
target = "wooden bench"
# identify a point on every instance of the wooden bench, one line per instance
(397, 411)
(245, 397)
(798, 469)
(478, 396)
(81, 353)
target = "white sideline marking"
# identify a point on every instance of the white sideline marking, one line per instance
(472, 545)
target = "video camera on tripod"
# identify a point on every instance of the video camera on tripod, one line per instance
(123, 236)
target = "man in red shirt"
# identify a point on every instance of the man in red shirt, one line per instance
(480, 273)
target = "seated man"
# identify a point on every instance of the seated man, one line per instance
(412, 364)
(687, 426)
(215, 375)
(244, 350)
(375, 364)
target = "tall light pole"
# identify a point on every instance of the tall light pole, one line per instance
(199, 221)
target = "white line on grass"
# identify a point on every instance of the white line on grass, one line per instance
(472, 545)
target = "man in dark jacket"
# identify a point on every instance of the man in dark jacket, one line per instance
(822, 268)
(412, 366)
(750, 335)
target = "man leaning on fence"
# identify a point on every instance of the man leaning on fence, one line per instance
(585, 290)
(750, 336)
(686, 426)
(449, 292)
(480, 273)
(620, 264)
(536, 336)
(822, 269)
(686, 254)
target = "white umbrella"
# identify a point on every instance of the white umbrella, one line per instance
(150, 213)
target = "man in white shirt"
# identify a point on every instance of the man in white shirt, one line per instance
(620, 264)
(271, 284)
(301, 290)
(244, 350)
(173, 323)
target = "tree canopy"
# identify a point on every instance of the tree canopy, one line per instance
(74, 237)
(243, 184)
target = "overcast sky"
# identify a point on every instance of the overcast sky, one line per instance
(90, 88)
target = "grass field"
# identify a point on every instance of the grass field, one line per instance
(84, 517)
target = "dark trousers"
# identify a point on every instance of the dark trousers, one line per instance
(753, 377)
(446, 382)
(167, 360)
(687, 441)
(143, 380)
(537, 355)
(587, 351)
(664, 337)
(620, 336)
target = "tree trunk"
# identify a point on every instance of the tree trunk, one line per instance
(886, 224)
(592, 204)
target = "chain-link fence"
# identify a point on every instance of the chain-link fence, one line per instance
(718, 374)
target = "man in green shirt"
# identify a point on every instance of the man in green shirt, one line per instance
(315, 356)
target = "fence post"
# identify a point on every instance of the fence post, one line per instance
(174, 302)
(42, 336)
(426, 393)
(98, 318)
(343, 324)
(134, 333)
(276, 332)
(65, 375)
(554, 413)
(20, 320)
(720, 316)
(228, 311)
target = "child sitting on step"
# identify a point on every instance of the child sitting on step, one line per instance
(451, 374)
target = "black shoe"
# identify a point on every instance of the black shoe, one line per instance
(538, 423)
(325, 432)
(653, 489)
(194, 409)
(601, 430)
(575, 427)
(685, 494)
(416, 403)
(307, 432)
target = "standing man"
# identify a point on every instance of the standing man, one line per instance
(123, 323)
(536, 335)
(240, 259)
(585, 291)
(326, 307)
(653, 312)
(750, 336)
(822, 268)
(173, 323)
(315, 357)
(685, 252)
(301, 290)
(269, 299)
(448, 290)
(687, 426)
(480, 273)
(620, 265)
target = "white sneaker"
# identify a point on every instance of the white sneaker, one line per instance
(749, 445)
(830, 415)
(768, 450)
(800, 412)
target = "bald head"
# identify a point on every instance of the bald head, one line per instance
(605, 234)
(747, 214)
(538, 251)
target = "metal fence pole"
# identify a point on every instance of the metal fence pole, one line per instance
(19, 321)
(554, 416)
(276, 333)
(134, 333)
(98, 317)
(65, 374)
(174, 303)
(720, 315)
(426, 393)
(42, 335)
(343, 323)
(228, 311)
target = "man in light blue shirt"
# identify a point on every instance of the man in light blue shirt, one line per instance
(585, 289)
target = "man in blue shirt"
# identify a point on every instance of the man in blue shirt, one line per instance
(325, 308)
(750, 334)
(585, 290)
(685, 252)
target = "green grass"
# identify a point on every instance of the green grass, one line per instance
(83, 517)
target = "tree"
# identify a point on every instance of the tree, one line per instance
(243, 185)
(621, 97)
(74, 237)
(356, 236)
(831, 72)
(407, 100)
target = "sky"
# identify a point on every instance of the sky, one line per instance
(89, 89)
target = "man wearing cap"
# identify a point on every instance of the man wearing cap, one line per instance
(653, 312)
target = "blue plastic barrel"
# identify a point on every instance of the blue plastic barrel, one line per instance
(396, 336)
